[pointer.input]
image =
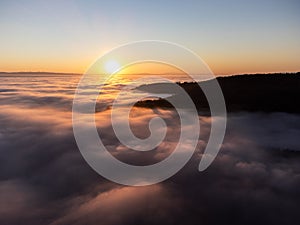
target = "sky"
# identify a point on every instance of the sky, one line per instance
(230, 36)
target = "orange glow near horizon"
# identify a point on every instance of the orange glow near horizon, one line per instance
(221, 63)
(218, 64)
(150, 68)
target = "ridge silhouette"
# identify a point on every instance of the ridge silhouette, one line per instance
(259, 92)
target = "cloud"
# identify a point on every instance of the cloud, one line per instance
(123, 204)
(15, 197)
(44, 179)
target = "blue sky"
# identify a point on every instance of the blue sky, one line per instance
(231, 36)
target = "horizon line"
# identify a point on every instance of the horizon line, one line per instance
(73, 73)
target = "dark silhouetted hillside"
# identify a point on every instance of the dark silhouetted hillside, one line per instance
(259, 92)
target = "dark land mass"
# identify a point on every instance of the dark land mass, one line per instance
(258, 92)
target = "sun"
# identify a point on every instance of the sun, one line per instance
(111, 66)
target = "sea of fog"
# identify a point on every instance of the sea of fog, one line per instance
(255, 179)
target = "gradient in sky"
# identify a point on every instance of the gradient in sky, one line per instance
(230, 36)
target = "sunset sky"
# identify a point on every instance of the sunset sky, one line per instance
(105, 119)
(230, 36)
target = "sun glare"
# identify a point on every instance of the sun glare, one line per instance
(111, 66)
